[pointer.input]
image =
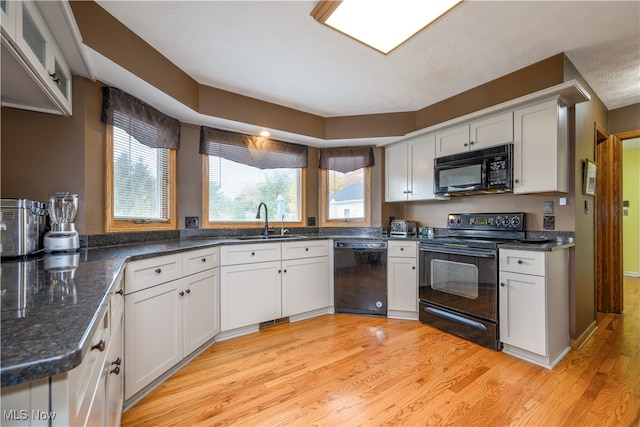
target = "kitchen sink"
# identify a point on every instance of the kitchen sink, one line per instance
(274, 237)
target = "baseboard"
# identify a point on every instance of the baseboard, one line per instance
(631, 274)
(579, 342)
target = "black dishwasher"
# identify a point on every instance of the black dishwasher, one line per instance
(360, 277)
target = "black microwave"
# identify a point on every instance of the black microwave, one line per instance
(489, 170)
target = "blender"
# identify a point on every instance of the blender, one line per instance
(63, 236)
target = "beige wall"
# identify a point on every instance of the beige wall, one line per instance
(44, 154)
(625, 119)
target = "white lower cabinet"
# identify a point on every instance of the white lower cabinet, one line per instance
(91, 394)
(261, 282)
(165, 322)
(153, 338)
(305, 285)
(402, 279)
(250, 294)
(534, 305)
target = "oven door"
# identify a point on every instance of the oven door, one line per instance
(461, 279)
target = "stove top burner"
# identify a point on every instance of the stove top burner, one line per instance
(481, 230)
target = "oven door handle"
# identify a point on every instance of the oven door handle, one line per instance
(459, 250)
(459, 319)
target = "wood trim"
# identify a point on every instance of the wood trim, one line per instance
(629, 135)
(324, 204)
(324, 9)
(584, 337)
(113, 225)
(608, 222)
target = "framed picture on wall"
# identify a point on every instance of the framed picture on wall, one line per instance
(589, 175)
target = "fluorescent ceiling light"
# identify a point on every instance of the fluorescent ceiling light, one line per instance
(381, 24)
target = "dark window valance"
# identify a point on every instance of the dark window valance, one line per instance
(256, 151)
(346, 159)
(146, 124)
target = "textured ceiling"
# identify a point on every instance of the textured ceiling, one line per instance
(275, 51)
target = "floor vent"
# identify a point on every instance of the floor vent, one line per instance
(274, 322)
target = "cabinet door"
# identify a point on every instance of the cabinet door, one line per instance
(8, 17)
(60, 77)
(115, 373)
(452, 140)
(396, 173)
(540, 156)
(305, 285)
(201, 315)
(523, 311)
(250, 294)
(32, 37)
(490, 131)
(402, 284)
(422, 151)
(153, 335)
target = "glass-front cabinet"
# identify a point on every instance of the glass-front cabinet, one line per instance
(29, 41)
(8, 17)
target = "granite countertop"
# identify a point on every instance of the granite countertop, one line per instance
(46, 322)
(538, 247)
(47, 317)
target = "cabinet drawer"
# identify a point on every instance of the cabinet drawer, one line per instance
(85, 378)
(116, 301)
(153, 271)
(402, 249)
(524, 262)
(305, 249)
(248, 254)
(200, 260)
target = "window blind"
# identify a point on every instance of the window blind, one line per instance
(346, 159)
(146, 124)
(259, 152)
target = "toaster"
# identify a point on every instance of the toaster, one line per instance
(402, 227)
(22, 226)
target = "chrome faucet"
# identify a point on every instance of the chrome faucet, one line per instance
(283, 230)
(266, 217)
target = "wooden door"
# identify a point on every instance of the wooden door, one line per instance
(608, 204)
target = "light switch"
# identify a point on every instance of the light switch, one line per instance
(563, 201)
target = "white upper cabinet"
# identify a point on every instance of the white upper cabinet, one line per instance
(8, 17)
(409, 170)
(481, 133)
(35, 75)
(541, 152)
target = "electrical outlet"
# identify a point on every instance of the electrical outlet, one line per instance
(191, 222)
(549, 222)
(311, 221)
(547, 207)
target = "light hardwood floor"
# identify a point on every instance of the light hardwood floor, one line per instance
(339, 370)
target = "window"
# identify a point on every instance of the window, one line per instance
(140, 168)
(241, 171)
(346, 186)
(346, 196)
(235, 190)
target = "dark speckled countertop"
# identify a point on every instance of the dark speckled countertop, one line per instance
(46, 324)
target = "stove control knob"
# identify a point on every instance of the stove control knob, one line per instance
(505, 221)
(498, 221)
(515, 221)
